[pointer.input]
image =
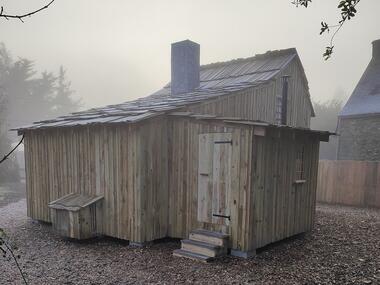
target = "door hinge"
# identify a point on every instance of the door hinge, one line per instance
(220, 142)
(222, 216)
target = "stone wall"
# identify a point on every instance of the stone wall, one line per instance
(359, 138)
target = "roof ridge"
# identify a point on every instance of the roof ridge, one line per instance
(267, 54)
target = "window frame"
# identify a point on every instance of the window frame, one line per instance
(300, 165)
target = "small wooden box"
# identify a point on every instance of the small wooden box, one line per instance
(77, 216)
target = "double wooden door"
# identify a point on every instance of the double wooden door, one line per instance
(214, 178)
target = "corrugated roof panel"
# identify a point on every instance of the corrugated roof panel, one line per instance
(216, 80)
(99, 120)
(136, 118)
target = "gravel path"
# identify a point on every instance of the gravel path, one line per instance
(11, 193)
(344, 248)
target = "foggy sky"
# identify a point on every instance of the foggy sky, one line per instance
(119, 50)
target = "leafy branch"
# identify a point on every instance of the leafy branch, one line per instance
(347, 12)
(6, 248)
(304, 3)
(20, 17)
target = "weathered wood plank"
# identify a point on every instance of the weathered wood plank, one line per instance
(347, 182)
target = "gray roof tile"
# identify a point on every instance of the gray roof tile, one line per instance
(217, 79)
(366, 96)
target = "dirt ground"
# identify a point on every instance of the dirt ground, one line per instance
(343, 248)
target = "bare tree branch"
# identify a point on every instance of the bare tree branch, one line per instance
(20, 17)
(17, 264)
(5, 248)
(13, 149)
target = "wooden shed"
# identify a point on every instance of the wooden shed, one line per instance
(227, 160)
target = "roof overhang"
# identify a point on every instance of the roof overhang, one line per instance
(323, 135)
(364, 115)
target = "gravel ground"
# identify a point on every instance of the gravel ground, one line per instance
(344, 248)
(11, 192)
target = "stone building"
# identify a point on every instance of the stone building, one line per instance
(359, 120)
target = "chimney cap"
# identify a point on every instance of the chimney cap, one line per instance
(185, 42)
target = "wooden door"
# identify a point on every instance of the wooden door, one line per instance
(214, 178)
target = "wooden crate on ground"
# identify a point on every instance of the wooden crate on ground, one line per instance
(77, 216)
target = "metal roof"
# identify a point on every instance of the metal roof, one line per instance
(216, 79)
(74, 202)
(366, 96)
(324, 135)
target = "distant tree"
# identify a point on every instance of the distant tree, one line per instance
(326, 119)
(20, 17)
(347, 12)
(9, 169)
(25, 97)
(327, 114)
(41, 97)
(31, 96)
(63, 101)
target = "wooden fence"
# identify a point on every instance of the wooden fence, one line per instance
(348, 182)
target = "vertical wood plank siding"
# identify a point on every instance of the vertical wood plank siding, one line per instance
(183, 179)
(127, 164)
(259, 103)
(348, 182)
(281, 207)
(148, 174)
(266, 204)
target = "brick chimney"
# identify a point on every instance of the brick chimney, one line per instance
(376, 50)
(185, 67)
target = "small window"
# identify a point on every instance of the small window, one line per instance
(300, 164)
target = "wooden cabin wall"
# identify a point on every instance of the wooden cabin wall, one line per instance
(183, 180)
(148, 174)
(259, 103)
(55, 165)
(281, 207)
(107, 160)
(256, 103)
(299, 104)
(153, 187)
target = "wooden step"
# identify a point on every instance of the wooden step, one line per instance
(203, 248)
(210, 237)
(191, 255)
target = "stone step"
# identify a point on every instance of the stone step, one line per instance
(210, 237)
(191, 255)
(203, 248)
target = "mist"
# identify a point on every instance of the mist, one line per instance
(116, 51)
(232, 164)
